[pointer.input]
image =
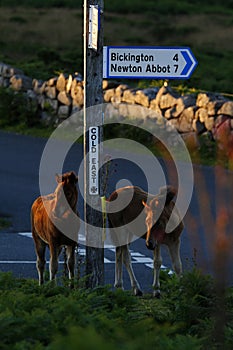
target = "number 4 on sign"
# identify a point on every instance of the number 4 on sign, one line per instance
(175, 58)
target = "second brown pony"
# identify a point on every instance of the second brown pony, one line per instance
(132, 211)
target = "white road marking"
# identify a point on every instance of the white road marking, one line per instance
(135, 253)
(137, 257)
(17, 262)
(26, 234)
(142, 260)
(23, 262)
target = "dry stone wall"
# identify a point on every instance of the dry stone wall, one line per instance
(191, 114)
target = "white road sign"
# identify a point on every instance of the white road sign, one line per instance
(150, 62)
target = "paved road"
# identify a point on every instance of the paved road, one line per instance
(17, 255)
(19, 168)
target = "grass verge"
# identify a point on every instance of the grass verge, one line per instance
(49, 317)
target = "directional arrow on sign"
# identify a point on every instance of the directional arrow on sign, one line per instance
(148, 62)
(189, 62)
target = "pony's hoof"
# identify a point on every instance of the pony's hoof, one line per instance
(137, 292)
(119, 286)
(157, 294)
(71, 285)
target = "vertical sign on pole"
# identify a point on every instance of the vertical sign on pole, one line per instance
(94, 26)
(93, 136)
(93, 165)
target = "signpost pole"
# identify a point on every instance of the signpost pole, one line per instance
(93, 132)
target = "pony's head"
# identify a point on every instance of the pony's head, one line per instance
(157, 216)
(66, 194)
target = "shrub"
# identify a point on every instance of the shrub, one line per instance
(17, 108)
(33, 317)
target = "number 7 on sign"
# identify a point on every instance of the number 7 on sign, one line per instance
(176, 58)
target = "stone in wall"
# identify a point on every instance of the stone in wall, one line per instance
(118, 93)
(209, 123)
(7, 71)
(129, 96)
(198, 126)
(63, 112)
(134, 111)
(180, 104)
(108, 94)
(185, 120)
(52, 104)
(20, 82)
(143, 97)
(203, 99)
(38, 86)
(77, 93)
(4, 82)
(213, 107)
(64, 98)
(119, 90)
(51, 92)
(201, 114)
(52, 81)
(109, 84)
(226, 109)
(168, 99)
(64, 95)
(184, 102)
(174, 123)
(69, 84)
(46, 104)
(75, 110)
(111, 111)
(61, 82)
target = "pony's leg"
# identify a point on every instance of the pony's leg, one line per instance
(174, 250)
(40, 247)
(157, 265)
(70, 251)
(53, 265)
(128, 264)
(118, 268)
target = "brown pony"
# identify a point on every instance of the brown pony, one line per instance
(55, 223)
(153, 212)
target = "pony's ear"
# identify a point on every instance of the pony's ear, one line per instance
(145, 205)
(58, 178)
(169, 192)
(154, 203)
(73, 177)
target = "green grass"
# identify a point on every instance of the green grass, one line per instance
(49, 317)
